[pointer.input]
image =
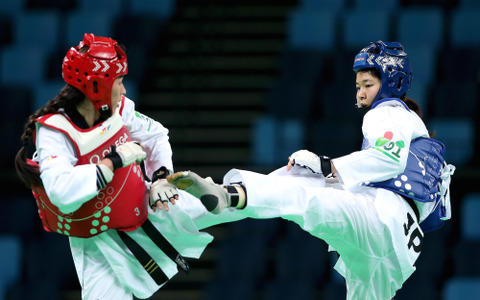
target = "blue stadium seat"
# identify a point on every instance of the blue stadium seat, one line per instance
(46, 91)
(111, 8)
(264, 141)
(161, 9)
(465, 28)
(465, 251)
(274, 139)
(375, 26)
(419, 92)
(423, 59)
(10, 260)
(421, 26)
(13, 7)
(15, 212)
(80, 22)
(22, 65)
(457, 135)
(386, 6)
(291, 138)
(461, 288)
(311, 29)
(38, 29)
(469, 4)
(293, 93)
(470, 210)
(331, 6)
(445, 99)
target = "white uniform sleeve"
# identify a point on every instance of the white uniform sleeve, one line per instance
(389, 131)
(150, 133)
(68, 186)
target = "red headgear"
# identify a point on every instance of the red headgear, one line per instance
(94, 71)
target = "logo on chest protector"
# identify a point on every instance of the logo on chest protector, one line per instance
(96, 158)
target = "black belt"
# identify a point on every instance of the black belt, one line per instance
(148, 263)
(413, 206)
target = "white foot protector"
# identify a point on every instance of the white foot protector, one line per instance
(213, 196)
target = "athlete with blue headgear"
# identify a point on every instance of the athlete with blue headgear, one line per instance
(372, 206)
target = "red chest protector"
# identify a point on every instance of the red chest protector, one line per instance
(121, 205)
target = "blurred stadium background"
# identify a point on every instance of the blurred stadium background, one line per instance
(243, 84)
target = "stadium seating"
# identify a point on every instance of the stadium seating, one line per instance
(460, 288)
(39, 29)
(160, 9)
(465, 28)
(333, 6)
(10, 260)
(45, 92)
(458, 137)
(375, 25)
(470, 210)
(421, 26)
(385, 6)
(80, 22)
(424, 63)
(110, 8)
(311, 29)
(22, 65)
(13, 7)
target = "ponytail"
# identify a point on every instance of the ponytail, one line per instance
(30, 173)
(412, 105)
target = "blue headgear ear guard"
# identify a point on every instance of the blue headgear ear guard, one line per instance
(394, 66)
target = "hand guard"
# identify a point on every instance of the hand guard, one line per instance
(162, 190)
(316, 164)
(126, 154)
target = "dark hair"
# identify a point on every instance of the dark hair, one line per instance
(412, 105)
(69, 96)
(372, 71)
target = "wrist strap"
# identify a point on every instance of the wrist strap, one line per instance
(161, 173)
(325, 165)
(115, 158)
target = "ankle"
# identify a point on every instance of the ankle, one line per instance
(237, 194)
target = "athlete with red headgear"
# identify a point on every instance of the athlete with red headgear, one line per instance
(93, 152)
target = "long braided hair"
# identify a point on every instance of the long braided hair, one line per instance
(68, 97)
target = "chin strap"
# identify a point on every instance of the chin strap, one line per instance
(105, 112)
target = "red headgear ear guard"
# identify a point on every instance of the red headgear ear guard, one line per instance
(92, 67)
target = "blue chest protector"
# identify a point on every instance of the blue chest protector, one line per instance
(426, 178)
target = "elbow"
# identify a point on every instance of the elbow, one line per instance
(61, 202)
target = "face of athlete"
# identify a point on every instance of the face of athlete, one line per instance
(118, 90)
(367, 88)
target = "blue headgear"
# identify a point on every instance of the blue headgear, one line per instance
(394, 66)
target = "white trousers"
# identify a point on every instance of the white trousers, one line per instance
(375, 231)
(107, 270)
